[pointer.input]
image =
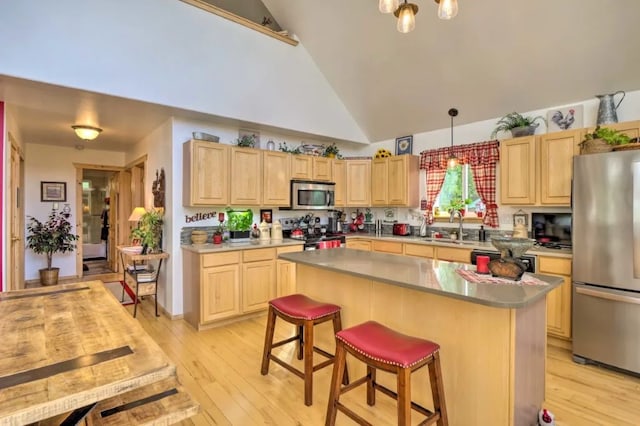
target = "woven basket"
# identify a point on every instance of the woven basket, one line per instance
(198, 237)
(594, 146)
(626, 147)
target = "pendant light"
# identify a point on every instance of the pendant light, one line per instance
(388, 6)
(406, 14)
(447, 9)
(453, 161)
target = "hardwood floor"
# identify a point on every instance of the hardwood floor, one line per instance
(221, 369)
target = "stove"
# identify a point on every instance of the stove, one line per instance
(553, 245)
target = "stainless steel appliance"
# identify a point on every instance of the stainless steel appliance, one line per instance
(606, 259)
(311, 195)
(334, 225)
(551, 230)
(401, 229)
(529, 260)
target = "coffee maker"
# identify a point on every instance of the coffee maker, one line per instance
(335, 222)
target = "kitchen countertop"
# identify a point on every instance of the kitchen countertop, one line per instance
(426, 275)
(218, 248)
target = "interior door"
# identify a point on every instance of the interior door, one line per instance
(114, 224)
(15, 272)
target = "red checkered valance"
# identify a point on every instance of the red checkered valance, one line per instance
(473, 154)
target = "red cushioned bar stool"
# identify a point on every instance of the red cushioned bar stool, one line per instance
(380, 347)
(303, 312)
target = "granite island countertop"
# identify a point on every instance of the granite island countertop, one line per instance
(432, 276)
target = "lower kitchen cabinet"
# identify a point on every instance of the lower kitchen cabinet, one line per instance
(453, 254)
(359, 244)
(220, 292)
(387, 247)
(286, 272)
(419, 250)
(559, 300)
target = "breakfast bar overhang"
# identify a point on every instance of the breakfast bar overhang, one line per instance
(492, 336)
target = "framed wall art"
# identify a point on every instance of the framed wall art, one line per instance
(266, 215)
(53, 191)
(520, 218)
(404, 145)
(565, 118)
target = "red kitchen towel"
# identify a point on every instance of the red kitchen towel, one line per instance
(474, 277)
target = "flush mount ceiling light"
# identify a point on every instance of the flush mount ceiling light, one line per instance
(87, 133)
(406, 12)
(453, 161)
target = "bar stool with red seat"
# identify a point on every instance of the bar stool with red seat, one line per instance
(304, 313)
(380, 347)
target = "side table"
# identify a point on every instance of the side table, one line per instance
(140, 273)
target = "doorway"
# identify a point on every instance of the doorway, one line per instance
(97, 258)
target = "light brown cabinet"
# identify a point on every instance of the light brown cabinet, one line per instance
(394, 181)
(358, 183)
(419, 250)
(219, 287)
(453, 254)
(359, 244)
(286, 272)
(390, 247)
(537, 170)
(245, 176)
(340, 179)
(205, 167)
(276, 178)
(307, 167)
(258, 278)
(558, 300)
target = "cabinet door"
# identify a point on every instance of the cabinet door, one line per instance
(286, 278)
(518, 170)
(559, 300)
(450, 254)
(301, 167)
(220, 292)
(206, 174)
(419, 250)
(402, 180)
(386, 247)
(246, 177)
(340, 179)
(556, 165)
(322, 169)
(359, 244)
(358, 183)
(258, 285)
(276, 178)
(379, 181)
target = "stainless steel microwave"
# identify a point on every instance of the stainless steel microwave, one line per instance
(312, 195)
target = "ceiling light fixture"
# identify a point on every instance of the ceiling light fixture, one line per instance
(87, 133)
(453, 161)
(406, 12)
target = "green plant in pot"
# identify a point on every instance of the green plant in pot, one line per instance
(517, 124)
(247, 141)
(331, 151)
(602, 139)
(149, 231)
(48, 238)
(239, 223)
(458, 204)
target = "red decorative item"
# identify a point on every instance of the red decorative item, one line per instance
(221, 217)
(217, 239)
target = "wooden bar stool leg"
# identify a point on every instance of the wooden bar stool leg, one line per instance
(339, 366)
(437, 390)
(337, 326)
(308, 362)
(404, 396)
(301, 342)
(371, 391)
(268, 341)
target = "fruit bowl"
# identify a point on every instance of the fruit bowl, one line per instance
(512, 247)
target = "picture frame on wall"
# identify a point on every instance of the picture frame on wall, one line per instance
(404, 145)
(53, 191)
(521, 218)
(266, 215)
(565, 118)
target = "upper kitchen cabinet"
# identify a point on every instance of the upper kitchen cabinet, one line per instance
(536, 170)
(246, 176)
(358, 183)
(306, 167)
(205, 167)
(276, 178)
(394, 181)
(340, 179)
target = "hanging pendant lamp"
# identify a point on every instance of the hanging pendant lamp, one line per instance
(447, 9)
(406, 14)
(452, 161)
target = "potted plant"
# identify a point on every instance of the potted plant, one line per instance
(284, 148)
(458, 204)
(517, 125)
(247, 141)
(602, 139)
(52, 236)
(217, 234)
(149, 231)
(331, 151)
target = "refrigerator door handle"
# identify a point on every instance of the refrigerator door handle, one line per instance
(635, 167)
(606, 295)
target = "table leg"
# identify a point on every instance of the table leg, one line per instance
(78, 415)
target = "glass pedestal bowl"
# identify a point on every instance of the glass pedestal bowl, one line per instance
(512, 247)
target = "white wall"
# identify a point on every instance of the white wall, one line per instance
(171, 53)
(55, 164)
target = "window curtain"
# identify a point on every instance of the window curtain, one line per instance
(481, 157)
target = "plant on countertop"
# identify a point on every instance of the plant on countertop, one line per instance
(513, 120)
(52, 236)
(247, 141)
(284, 148)
(149, 231)
(610, 136)
(239, 220)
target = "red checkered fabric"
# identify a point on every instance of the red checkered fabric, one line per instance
(481, 156)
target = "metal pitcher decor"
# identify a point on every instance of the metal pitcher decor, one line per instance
(607, 108)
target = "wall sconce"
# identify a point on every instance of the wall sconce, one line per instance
(87, 133)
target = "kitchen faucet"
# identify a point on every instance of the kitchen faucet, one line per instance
(452, 217)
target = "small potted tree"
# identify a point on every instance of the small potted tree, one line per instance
(48, 238)
(149, 231)
(517, 124)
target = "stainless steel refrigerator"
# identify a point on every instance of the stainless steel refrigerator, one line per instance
(606, 259)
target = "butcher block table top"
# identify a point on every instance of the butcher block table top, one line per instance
(67, 346)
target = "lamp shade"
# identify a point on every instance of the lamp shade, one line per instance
(388, 6)
(87, 133)
(137, 214)
(406, 14)
(447, 9)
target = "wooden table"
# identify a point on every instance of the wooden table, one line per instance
(67, 347)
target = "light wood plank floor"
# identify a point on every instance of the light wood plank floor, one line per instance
(221, 369)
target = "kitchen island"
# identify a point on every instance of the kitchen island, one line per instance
(492, 336)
